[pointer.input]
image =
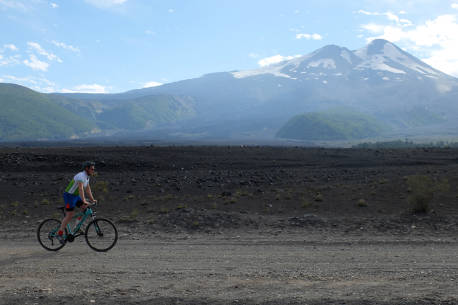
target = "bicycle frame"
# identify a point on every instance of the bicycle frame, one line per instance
(84, 215)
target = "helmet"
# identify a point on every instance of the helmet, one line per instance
(87, 164)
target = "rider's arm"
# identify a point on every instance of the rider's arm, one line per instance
(89, 193)
(81, 192)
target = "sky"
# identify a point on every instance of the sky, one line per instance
(110, 46)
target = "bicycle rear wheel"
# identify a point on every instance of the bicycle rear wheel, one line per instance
(46, 234)
(101, 234)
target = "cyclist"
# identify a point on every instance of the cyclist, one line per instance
(74, 195)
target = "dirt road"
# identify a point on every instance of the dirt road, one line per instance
(234, 268)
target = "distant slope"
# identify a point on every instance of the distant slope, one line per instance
(29, 115)
(147, 112)
(328, 126)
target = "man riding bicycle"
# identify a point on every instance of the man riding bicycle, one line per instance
(74, 195)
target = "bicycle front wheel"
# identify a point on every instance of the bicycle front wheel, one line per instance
(101, 235)
(46, 234)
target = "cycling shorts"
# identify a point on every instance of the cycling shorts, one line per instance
(71, 201)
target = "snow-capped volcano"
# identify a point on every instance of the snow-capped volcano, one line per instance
(379, 80)
(378, 60)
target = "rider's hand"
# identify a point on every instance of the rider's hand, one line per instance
(85, 205)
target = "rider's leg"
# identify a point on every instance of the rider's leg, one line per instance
(65, 221)
(70, 202)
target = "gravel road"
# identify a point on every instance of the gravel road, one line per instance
(234, 268)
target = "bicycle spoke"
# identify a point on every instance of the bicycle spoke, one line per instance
(46, 234)
(101, 235)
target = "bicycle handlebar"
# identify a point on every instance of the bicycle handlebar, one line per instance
(91, 204)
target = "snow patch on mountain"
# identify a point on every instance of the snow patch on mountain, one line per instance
(346, 55)
(327, 63)
(378, 62)
(267, 70)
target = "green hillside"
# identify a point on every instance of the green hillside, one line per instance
(147, 112)
(328, 126)
(29, 115)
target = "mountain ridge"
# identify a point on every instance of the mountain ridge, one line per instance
(379, 80)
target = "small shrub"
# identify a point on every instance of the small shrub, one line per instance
(169, 197)
(422, 191)
(305, 204)
(45, 201)
(101, 187)
(25, 212)
(15, 204)
(383, 181)
(134, 213)
(362, 203)
(318, 197)
(163, 210)
(151, 220)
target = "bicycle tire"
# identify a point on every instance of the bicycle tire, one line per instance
(105, 231)
(55, 227)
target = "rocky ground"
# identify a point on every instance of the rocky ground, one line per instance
(298, 205)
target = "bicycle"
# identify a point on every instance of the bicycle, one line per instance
(101, 234)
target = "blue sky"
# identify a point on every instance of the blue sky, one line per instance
(117, 45)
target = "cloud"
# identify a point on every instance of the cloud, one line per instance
(274, 59)
(454, 5)
(373, 28)
(152, 84)
(10, 60)
(35, 63)
(10, 46)
(65, 46)
(436, 39)
(171, 10)
(36, 83)
(86, 88)
(35, 46)
(5, 4)
(309, 36)
(390, 16)
(54, 5)
(105, 3)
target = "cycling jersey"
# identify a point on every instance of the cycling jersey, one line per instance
(72, 187)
